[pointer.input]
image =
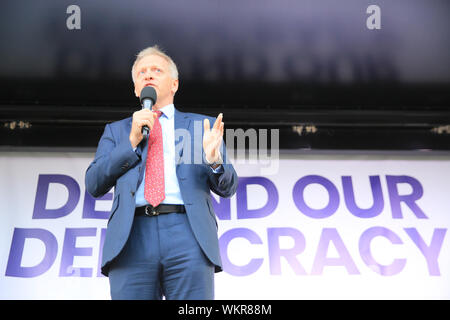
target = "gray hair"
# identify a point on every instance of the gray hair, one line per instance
(155, 50)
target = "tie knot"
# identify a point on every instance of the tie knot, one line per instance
(159, 113)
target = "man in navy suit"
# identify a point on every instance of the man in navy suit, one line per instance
(170, 249)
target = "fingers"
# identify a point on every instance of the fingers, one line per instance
(147, 123)
(213, 137)
(206, 125)
(218, 135)
(218, 121)
(144, 115)
(140, 118)
(219, 129)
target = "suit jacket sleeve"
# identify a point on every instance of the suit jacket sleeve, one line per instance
(113, 158)
(225, 183)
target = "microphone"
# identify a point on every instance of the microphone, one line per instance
(148, 99)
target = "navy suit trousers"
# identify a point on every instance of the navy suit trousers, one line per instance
(162, 259)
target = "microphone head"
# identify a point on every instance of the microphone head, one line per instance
(148, 93)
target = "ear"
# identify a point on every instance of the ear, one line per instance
(175, 84)
(135, 91)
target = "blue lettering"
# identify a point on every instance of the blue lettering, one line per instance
(40, 211)
(14, 267)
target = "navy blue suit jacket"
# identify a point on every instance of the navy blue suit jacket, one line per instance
(117, 165)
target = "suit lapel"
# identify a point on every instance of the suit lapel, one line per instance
(142, 149)
(182, 123)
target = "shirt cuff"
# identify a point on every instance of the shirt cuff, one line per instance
(219, 169)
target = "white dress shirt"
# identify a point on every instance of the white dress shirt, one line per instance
(172, 188)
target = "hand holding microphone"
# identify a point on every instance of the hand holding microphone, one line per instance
(143, 119)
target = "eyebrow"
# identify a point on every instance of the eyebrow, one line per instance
(152, 66)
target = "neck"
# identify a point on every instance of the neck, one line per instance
(161, 104)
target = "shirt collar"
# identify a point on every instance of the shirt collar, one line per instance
(168, 110)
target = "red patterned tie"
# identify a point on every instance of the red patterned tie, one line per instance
(154, 168)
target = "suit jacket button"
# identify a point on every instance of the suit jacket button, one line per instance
(132, 193)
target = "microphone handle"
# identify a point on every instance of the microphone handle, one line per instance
(147, 105)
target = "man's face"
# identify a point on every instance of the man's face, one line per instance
(153, 70)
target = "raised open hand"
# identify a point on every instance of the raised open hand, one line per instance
(212, 139)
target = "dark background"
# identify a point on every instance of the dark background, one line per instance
(285, 64)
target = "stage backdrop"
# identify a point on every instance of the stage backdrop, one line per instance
(321, 227)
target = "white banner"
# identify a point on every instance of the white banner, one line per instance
(322, 227)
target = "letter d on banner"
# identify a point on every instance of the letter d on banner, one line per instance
(14, 268)
(40, 211)
(243, 212)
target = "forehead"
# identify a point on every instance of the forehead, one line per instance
(152, 60)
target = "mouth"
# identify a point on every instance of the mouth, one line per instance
(150, 85)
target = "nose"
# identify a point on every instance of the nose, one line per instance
(148, 75)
